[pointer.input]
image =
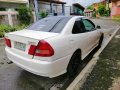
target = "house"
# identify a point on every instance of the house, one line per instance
(77, 9)
(49, 6)
(115, 12)
(73, 7)
(8, 13)
(88, 13)
(53, 7)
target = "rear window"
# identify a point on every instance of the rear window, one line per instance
(50, 24)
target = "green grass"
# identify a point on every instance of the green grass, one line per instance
(6, 28)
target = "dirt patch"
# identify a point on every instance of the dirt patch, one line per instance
(116, 84)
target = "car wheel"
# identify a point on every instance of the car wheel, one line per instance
(101, 40)
(74, 64)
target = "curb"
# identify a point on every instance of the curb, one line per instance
(1, 38)
(102, 48)
(81, 78)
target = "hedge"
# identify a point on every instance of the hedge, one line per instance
(6, 28)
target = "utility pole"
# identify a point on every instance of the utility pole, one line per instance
(108, 1)
(36, 9)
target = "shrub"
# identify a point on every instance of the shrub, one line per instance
(6, 28)
(24, 14)
(20, 27)
(43, 14)
(94, 14)
(91, 7)
(102, 10)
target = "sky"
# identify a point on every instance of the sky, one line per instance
(84, 3)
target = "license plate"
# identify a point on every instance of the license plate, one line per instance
(20, 46)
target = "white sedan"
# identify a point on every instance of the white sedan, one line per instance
(54, 45)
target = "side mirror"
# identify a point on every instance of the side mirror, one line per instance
(98, 27)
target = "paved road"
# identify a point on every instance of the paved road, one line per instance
(15, 78)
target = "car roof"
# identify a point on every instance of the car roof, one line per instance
(66, 17)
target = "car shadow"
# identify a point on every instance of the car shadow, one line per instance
(81, 66)
(29, 81)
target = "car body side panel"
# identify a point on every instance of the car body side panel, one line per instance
(83, 41)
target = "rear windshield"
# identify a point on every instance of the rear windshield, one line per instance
(50, 24)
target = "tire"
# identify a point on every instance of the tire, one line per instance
(74, 63)
(100, 41)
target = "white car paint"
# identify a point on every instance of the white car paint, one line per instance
(64, 45)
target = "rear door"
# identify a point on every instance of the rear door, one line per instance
(79, 39)
(92, 33)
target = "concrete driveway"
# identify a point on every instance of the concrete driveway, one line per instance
(14, 78)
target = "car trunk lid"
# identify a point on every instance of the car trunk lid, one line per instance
(22, 40)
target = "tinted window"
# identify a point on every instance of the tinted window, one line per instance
(89, 26)
(78, 27)
(50, 24)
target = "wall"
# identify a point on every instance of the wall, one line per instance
(45, 6)
(115, 8)
(9, 18)
(88, 14)
(10, 5)
(4, 19)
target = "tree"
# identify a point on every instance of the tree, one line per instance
(91, 7)
(102, 10)
(43, 14)
(24, 14)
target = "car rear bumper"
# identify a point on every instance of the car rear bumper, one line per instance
(42, 68)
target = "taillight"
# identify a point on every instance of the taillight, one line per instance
(43, 49)
(8, 42)
(32, 50)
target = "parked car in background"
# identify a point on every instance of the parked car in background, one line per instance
(54, 45)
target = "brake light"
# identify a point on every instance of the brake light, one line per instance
(8, 42)
(43, 49)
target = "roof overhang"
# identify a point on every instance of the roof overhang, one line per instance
(86, 11)
(78, 5)
(53, 1)
(14, 1)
